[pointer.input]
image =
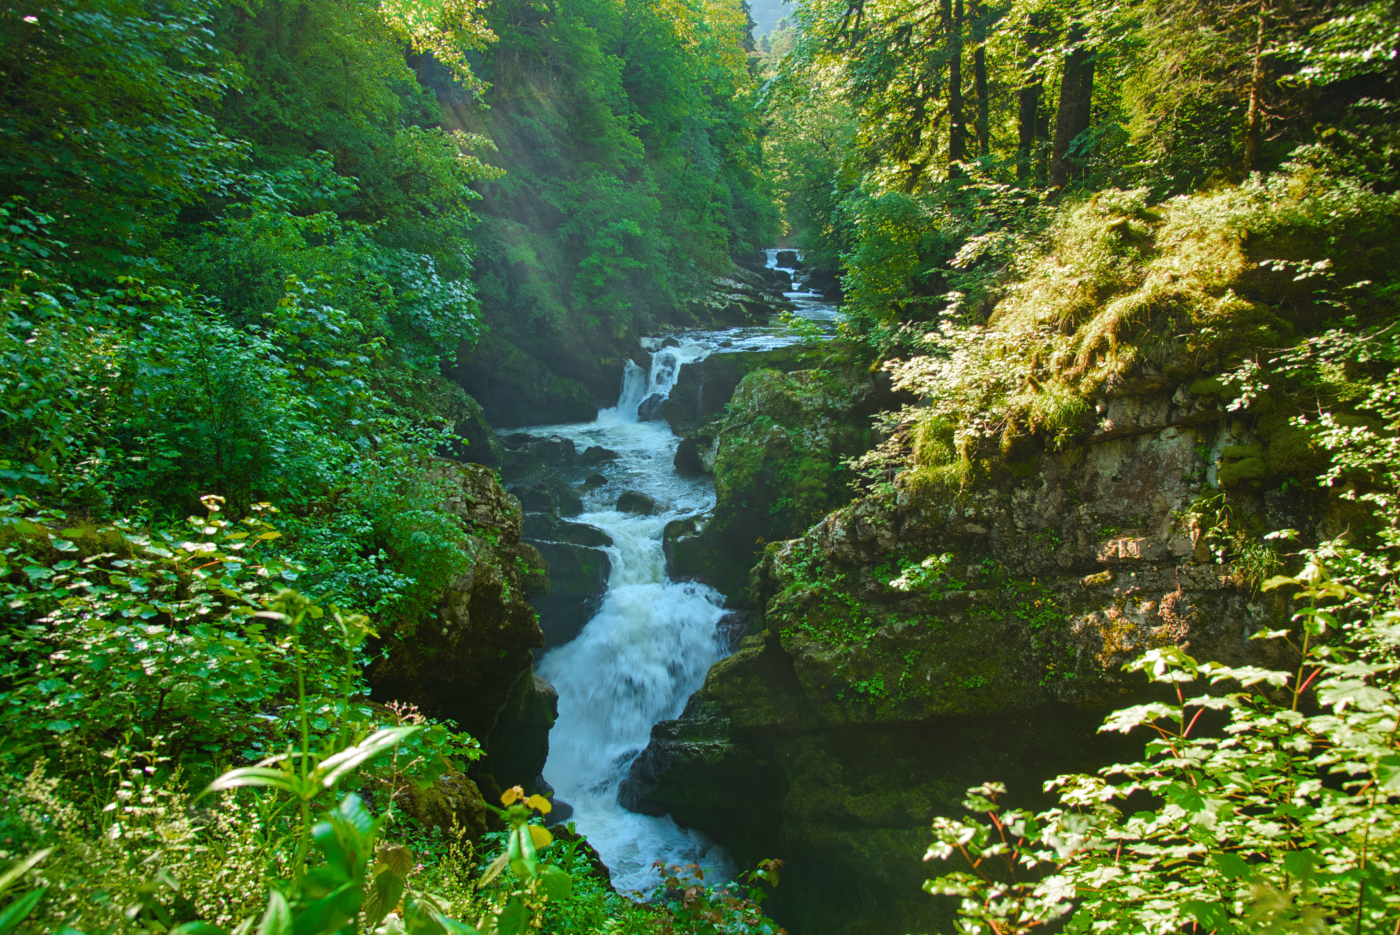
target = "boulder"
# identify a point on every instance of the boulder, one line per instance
(703, 388)
(695, 456)
(597, 454)
(550, 528)
(528, 454)
(787, 259)
(451, 798)
(578, 578)
(650, 408)
(549, 493)
(824, 283)
(634, 501)
(519, 744)
(594, 481)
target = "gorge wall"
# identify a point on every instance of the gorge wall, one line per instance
(925, 638)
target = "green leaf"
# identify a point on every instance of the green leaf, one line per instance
(453, 927)
(1232, 865)
(513, 918)
(1213, 917)
(63, 545)
(557, 884)
(331, 912)
(254, 776)
(383, 896)
(196, 928)
(15, 913)
(8, 878)
(335, 767)
(396, 859)
(1300, 864)
(277, 920)
(420, 917)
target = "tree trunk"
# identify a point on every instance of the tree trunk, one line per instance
(1254, 121)
(979, 77)
(957, 132)
(1072, 119)
(1028, 110)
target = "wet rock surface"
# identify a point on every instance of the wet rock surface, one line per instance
(633, 501)
(704, 388)
(578, 578)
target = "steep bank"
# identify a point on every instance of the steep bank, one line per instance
(1075, 485)
(919, 642)
(470, 661)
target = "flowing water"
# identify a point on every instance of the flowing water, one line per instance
(647, 649)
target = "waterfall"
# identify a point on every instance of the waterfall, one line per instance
(652, 641)
(647, 649)
(638, 387)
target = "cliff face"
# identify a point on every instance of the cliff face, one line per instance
(470, 662)
(926, 638)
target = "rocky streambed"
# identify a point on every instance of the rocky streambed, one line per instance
(628, 638)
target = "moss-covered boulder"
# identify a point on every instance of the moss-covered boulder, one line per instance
(777, 469)
(450, 799)
(461, 661)
(704, 387)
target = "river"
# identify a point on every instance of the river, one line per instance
(652, 641)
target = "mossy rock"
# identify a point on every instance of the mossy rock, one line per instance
(777, 470)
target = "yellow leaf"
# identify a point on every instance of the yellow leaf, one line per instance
(539, 803)
(540, 836)
(513, 794)
(271, 535)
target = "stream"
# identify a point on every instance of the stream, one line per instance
(649, 646)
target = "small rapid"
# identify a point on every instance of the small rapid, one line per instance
(652, 640)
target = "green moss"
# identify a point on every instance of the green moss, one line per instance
(1207, 386)
(1233, 472)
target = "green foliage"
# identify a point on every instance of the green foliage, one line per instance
(1288, 819)
(630, 139)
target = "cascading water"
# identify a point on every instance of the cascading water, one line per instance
(651, 642)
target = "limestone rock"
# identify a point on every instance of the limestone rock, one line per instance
(777, 468)
(925, 638)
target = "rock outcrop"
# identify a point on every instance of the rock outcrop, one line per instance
(704, 387)
(467, 661)
(926, 638)
(777, 468)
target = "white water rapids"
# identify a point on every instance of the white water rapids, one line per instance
(649, 646)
